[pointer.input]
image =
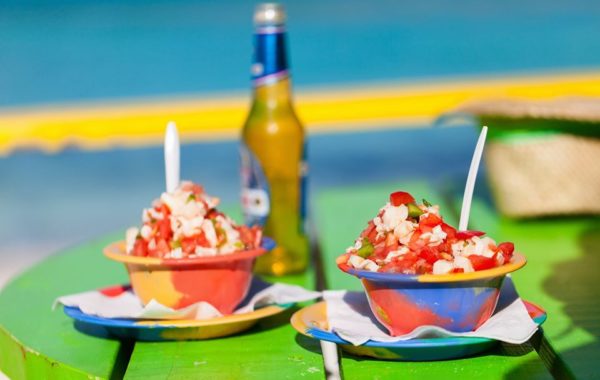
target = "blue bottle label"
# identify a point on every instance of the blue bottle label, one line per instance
(256, 202)
(269, 60)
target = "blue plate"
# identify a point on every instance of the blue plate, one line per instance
(163, 330)
(312, 322)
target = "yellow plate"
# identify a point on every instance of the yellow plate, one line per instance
(161, 330)
(312, 322)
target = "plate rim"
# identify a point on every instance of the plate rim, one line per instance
(78, 315)
(300, 326)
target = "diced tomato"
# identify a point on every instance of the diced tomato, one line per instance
(507, 249)
(163, 209)
(162, 248)
(404, 264)
(450, 232)
(367, 231)
(201, 239)
(429, 254)
(464, 235)
(482, 262)
(422, 267)
(342, 259)
(391, 239)
(250, 236)
(393, 246)
(416, 243)
(401, 198)
(430, 220)
(140, 248)
(380, 252)
(371, 233)
(212, 214)
(163, 229)
(114, 291)
(188, 245)
(389, 268)
(458, 270)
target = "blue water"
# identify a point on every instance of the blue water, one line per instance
(56, 51)
(68, 51)
(74, 196)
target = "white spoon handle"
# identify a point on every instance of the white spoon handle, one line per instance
(171, 157)
(472, 177)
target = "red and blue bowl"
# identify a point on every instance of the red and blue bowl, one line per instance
(458, 302)
(222, 280)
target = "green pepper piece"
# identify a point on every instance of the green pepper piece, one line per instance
(366, 249)
(426, 203)
(414, 211)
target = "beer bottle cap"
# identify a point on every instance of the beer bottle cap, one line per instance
(269, 14)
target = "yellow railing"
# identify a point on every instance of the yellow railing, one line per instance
(135, 123)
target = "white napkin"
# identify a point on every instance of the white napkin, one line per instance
(127, 304)
(351, 319)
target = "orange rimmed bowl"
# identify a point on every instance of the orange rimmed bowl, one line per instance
(457, 302)
(223, 280)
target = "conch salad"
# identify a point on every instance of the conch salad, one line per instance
(411, 238)
(186, 224)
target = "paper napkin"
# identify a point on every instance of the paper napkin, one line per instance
(350, 317)
(121, 302)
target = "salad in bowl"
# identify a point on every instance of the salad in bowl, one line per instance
(186, 224)
(187, 251)
(418, 270)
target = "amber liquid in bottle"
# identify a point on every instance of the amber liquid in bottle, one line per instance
(273, 152)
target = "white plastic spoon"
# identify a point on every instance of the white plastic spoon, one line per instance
(470, 186)
(171, 157)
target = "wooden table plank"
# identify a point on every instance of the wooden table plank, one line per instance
(341, 215)
(38, 343)
(269, 349)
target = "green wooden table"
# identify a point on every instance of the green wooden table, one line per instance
(36, 342)
(563, 260)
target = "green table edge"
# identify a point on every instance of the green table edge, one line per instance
(29, 353)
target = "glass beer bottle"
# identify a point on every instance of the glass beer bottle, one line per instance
(273, 151)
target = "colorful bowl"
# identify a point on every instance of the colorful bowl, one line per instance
(223, 281)
(458, 302)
